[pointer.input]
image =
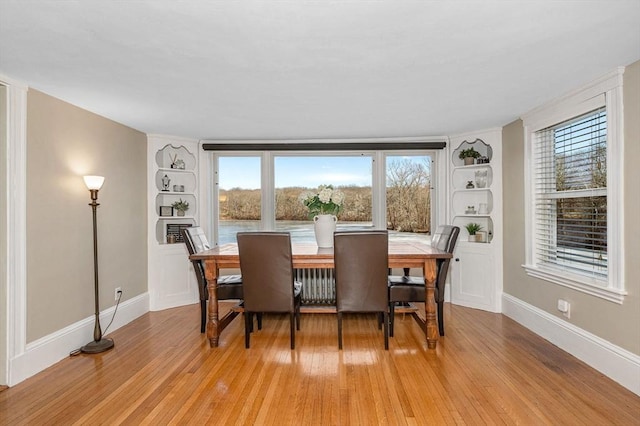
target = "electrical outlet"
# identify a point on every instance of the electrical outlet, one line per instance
(564, 307)
(118, 293)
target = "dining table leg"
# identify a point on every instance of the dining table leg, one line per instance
(431, 325)
(213, 324)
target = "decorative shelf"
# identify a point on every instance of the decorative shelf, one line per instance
(180, 157)
(174, 217)
(175, 171)
(480, 196)
(485, 151)
(169, 170)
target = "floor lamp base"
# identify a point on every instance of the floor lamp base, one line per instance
(97, 347)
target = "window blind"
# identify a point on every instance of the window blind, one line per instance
(571, 194)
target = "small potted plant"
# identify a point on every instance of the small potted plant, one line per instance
(472, 228)
(181, 207)
(468, 156)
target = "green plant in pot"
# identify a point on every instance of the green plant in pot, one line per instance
(180, 206)
(468, 156)
(472, 228)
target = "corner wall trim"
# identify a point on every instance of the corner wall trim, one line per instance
(46, 351)
(613, 361)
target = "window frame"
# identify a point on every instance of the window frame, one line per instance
(375, 219)
(433, 176)
(212, 187)
(208, 184)
(605, 91)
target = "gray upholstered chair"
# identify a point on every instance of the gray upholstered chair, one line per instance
(361, 262)
(405, 289)
(268, 278)
(229, 286)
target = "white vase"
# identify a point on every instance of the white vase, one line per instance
(481, 178)
(324, 225)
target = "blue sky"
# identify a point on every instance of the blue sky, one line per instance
(309, 172)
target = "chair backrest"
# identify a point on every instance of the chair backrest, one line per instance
(361, 265)
(267, 271)
(445, 239)
(196, 241)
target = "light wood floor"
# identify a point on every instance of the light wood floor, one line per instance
(487, 370)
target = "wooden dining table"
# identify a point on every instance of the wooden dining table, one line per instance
(402, 254)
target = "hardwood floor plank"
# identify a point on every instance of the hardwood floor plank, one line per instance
(487, 370)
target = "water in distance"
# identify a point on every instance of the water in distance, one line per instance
(302, 231)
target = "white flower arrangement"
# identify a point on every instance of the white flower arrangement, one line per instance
(325, 201)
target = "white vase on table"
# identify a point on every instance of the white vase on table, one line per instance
(324, 225)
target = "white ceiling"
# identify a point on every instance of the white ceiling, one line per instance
(241, 69)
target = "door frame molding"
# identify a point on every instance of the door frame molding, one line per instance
(16, 193)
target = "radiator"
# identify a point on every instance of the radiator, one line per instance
(318, 286)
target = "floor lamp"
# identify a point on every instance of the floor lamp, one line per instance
(94, 183)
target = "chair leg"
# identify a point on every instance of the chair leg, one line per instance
(339, 330)
(379, 320)
(248, 320)
(392, 310)
(292, 330)
(203, 315)
(386, 330)
(259, 315)
(298, 316)
(441, 317)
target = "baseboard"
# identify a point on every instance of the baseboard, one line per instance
(48, 350)
(616, 363)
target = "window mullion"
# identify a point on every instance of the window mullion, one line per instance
(268, 211)
(379, 187)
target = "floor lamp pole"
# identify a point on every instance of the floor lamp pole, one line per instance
(94, 183)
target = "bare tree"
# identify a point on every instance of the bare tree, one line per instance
(408, 196)
(408, 200)
(582, 221)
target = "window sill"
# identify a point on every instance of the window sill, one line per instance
(576, 282)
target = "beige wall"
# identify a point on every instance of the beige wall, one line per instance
(619, 324)
(63, 144)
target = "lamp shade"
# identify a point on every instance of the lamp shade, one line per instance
(93, 182)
